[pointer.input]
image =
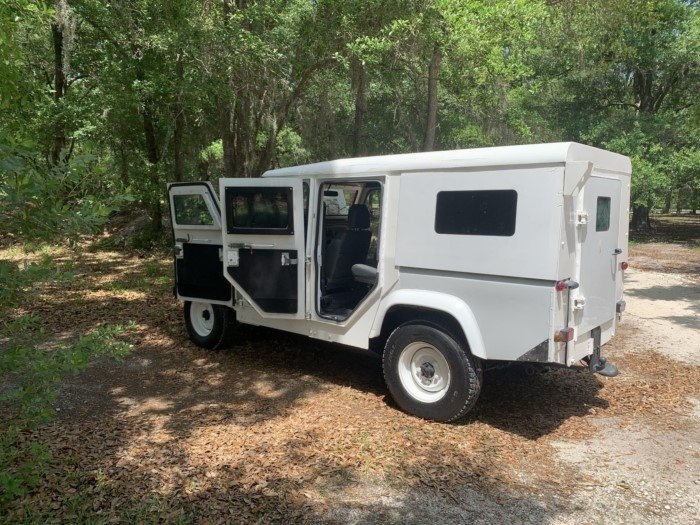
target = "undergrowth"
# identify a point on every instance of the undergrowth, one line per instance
(31, 370)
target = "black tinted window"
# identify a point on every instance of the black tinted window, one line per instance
(602, 214)
(259, 210)
(485, 212)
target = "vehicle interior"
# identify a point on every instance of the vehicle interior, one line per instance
(349, 245)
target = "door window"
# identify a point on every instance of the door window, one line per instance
(191, 210)
(265, 211)
(602, 214)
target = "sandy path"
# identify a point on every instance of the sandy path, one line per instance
(664, 311)
(645, 473)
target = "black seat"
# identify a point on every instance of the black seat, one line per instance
(347, 248)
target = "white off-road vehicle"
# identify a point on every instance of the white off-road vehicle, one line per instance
(442, 262)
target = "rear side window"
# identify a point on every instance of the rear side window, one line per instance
(259, 210)
(191, 210)
(602, 214)
(483, 212)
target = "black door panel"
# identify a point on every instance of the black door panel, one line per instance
(199, 273)
(272, 286)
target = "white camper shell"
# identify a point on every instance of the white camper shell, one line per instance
(443, 262)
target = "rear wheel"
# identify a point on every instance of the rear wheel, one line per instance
(429, 374)
(209, 325)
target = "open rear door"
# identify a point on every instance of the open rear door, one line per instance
(196, 221)
(263, 234)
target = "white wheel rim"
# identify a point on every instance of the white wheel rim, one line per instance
(202, 318)
(424, 372)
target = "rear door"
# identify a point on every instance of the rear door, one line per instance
(196, 220)
(600, 252)
(263, 234)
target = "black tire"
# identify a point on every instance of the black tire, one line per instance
(221, 318)
(407, 382)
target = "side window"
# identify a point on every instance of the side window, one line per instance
(602, 214)
(338, 199)
(305, 197)
(266, 211)
(191, 210)
(373, 201)
(484, 212)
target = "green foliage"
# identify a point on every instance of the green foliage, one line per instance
(48, 202)
(154, 91)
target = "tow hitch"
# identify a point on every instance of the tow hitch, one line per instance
(596, 363)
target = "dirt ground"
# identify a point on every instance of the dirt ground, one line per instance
(283, 429)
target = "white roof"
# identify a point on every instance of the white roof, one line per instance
(506, 156)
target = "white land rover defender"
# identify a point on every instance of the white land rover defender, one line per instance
(442, 262)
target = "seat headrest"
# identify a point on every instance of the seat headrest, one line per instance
(358, 217)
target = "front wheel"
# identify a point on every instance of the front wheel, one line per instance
(429, 374)
(209, 325)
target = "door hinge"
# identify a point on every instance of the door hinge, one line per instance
(179, 252)
(579, 303)
(581, 218)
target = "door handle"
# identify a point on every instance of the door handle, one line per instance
(257, 246)
(617, 251)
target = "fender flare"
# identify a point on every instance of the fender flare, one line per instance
(438, 301)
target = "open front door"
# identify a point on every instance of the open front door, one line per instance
(196, 221)
(263, 226)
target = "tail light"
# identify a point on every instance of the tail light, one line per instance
(564, 335)
(624, 265)
(560, 286)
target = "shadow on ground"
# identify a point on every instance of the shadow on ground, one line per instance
(278, 428)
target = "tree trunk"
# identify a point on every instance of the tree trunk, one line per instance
(227, 140)
(643, 84)
(228, 137)
(668, 201)
(179, 168)
(431, 121)
(59, 85)
(149, 130)
(359, 84)
(640, 218)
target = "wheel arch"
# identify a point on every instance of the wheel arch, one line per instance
(444, 310)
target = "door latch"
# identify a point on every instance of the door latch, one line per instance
(581, 218)
(232, 258)
(287, 259)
